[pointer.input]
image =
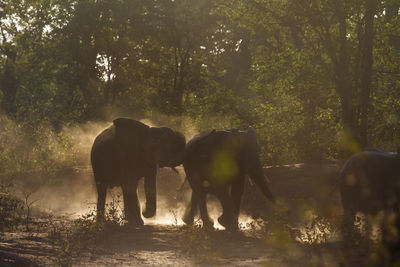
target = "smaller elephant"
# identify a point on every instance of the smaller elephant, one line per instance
(369, 182)
(127, 151)
(217, 163)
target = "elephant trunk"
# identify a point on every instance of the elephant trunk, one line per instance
(257, 175)
(151, 196)
(176, 160)
(175, 170)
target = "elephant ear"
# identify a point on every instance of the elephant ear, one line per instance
(130, 132)
(251, 133)
(158, 135)
(168, 146)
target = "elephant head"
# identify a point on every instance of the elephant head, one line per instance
(160, 145)
(168, 145)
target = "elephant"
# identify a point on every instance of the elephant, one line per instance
(217, 163)
(127, 151)
(369, 182)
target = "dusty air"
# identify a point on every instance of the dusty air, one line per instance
(199, 132)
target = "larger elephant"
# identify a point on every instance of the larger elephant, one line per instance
(127, 151)
(218, 163)
(369, 182)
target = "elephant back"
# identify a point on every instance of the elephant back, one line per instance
(196, 141)
(132, 140)
(128, 131)
(205, 146)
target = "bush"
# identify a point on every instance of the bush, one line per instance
(33, 148)
(71, 239)
(10, 208)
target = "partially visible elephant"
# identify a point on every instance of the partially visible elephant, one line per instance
(127, 151)
(369, 182)
(218, 163)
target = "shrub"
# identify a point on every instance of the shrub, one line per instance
(10, 208)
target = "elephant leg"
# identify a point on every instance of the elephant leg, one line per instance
(150, 190)
(101, 200)
(191, 210)
(236, 197)
(201, 200)
(348, 230)
(131, 204)
(227, 218)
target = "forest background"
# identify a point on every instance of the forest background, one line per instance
(316, 78)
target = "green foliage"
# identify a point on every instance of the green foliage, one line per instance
(295, 70)
(25, 148)
(285, 232)
(10, 208)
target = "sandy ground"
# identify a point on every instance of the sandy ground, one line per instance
(168, 246)
(306, 193)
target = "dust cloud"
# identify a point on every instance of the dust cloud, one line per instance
(82, 137)
(70, 190)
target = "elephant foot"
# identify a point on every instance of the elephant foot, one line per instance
(148, 213)
(208, 224)
(136, 221)
(223, 221)
(228, 223)
(232, 228)
(188, 220)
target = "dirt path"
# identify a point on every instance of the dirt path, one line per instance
(303, 190)
(162, 245)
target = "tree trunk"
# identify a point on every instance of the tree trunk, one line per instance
(366, 69)
(176, 96)
(9, 88)
(345, 89)
(9, 85)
